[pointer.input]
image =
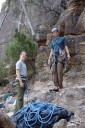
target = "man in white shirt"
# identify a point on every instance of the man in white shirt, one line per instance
(21, 77)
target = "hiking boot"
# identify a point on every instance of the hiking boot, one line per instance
(54, 90)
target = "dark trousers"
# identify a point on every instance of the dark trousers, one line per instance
(57, 73)
(20, 97)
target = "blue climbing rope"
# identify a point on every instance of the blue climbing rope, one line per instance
(39, 115)
(40, 110)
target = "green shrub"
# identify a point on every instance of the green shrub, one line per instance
(2, 72)
(20, 43)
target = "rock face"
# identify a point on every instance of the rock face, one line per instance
(7, 30)
(72, 25)
(71, 97)
(44, 15)
(5, 121)
(72, 20)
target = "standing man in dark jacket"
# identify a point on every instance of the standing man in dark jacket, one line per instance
(21, 77)
(59, 51)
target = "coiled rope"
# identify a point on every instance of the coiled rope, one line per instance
(39, 115)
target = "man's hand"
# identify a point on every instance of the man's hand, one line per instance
(18, 73)
(68, 57)
(50, 57)
(49, 61)
(21, 84)
(68, 53)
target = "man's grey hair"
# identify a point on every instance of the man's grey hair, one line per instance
(23, 52)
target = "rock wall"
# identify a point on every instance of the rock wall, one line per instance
(71, 97)
(68, 14)
(72, 25)
(72, 21)
(43, 15)
(7, 30)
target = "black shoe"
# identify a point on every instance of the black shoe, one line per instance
(54, 90)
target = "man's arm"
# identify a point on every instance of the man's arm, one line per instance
(68, 53)
(19, 77)
(51, 53)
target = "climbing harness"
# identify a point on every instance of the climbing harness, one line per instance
(15, 82)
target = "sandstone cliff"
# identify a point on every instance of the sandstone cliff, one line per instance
(43, 15)
(71, 24)
(67, 15)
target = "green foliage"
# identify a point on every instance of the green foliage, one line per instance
(20, 43)
(2, 72)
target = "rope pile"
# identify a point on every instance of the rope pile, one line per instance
(40, 115)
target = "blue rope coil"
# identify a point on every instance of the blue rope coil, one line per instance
(39, 115)
(39, 110)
